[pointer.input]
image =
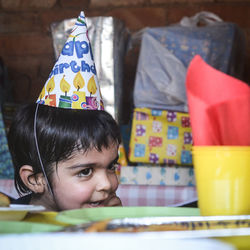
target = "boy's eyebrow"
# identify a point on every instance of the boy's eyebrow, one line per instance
(82, 165)
(91, 164)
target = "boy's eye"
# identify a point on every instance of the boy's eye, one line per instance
(85, 172)
(113, 167)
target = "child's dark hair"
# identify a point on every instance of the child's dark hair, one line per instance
(59, 132)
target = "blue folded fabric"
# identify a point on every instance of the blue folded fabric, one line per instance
(6, 165)
(221, 45)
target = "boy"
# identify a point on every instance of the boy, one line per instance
(78, 151)
(65, 147)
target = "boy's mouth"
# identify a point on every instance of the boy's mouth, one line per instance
(97, 204)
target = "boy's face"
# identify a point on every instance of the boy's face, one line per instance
(87, 180)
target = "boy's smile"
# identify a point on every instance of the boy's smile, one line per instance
(86, 180)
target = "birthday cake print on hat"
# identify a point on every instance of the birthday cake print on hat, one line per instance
(72, 82)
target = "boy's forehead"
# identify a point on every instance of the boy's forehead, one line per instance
(93, 155)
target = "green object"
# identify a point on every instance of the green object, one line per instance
(18, 227)
(65, 102)
(85, 215)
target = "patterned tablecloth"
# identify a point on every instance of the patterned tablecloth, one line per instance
(136, 195)
(148, 195)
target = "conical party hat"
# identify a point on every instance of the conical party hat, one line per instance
(72, 82)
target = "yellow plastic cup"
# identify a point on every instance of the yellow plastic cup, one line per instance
(223, 179)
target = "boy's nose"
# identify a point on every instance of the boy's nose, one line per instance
(103, 182)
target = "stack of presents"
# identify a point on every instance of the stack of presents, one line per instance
(159, 150)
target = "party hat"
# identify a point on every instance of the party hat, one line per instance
(72, 82)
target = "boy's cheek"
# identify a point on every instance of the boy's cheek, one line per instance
(114, 183)
(115, 201)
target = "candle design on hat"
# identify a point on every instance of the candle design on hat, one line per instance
(41, 96)
(78, 97)
(64, 100)
(91, 101)
(50, 99)
(66, 86)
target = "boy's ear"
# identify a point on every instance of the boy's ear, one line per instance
(34, 182)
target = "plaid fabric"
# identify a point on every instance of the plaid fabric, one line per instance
(148, 195)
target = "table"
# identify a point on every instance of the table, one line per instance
(42, 231)
(106, 241)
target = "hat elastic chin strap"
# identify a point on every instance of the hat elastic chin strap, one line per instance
(40, 160)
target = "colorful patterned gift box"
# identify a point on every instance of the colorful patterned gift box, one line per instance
(158, 175)
(160, 137)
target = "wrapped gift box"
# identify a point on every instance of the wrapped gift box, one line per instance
(158, 175)
(160, 137)
(165, 54)
(220, 44)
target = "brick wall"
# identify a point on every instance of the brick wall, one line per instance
(26, 43)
